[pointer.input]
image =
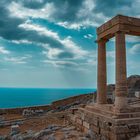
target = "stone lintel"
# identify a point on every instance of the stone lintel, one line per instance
(128, 25)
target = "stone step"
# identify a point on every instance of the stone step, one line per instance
(92, 114)
(128, 115)
(103, 111)
(128, 121)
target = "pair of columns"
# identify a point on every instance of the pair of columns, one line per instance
(121, 80)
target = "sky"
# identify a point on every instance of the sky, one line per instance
(51, 43)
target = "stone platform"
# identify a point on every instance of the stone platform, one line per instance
(107, 124)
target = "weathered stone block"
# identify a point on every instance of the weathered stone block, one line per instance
(79, 121)
(121, 137)
(85, 130)
(73, 118)
(104, 132)
(95, 129)
(86, 125)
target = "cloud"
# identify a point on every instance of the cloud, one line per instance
(65, 45)
(52, 53)
(129, 39)
(71, 62)
(67, 25)
(15, 60)
(92, 12)
(45, 10)
(39, 29)
(21, 42)
(72, 47)
(135, 49)
(132, 39)
(18, 60)
(66, 55)
(88, 36)
(61, 63)
(111, 54)
(59, 49)
(17, 23)
(111, 8)
(18, 10)
(8, 25)
(33, 4)
(73, 14)
(3, 50)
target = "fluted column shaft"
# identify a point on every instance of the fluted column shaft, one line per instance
(101, 79)
(121, 80)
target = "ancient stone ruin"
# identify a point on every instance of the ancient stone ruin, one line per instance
(118, 121)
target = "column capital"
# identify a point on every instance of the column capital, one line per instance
(119, 32)
(102, 40)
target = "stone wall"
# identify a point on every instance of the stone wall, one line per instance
(20, 110)
(72, 100)
(104, 127)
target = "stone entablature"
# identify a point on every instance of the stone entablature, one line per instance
(128, 25)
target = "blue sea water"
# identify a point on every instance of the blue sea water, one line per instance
(21, 97)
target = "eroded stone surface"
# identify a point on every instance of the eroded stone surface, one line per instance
(107, 127)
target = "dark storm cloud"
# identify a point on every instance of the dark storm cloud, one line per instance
(65, 55)
(8, 25)
(112, 7)
(33, 36)
(65, 10)
(33, 4)
(9, 29)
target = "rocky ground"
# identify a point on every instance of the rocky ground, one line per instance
(133, 83)
(51, 126)
(40, 124)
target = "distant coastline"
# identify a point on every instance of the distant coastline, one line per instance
(33, 97)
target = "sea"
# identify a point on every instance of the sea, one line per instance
(25, 97)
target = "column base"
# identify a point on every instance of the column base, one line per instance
(101, 103)
(121, 103)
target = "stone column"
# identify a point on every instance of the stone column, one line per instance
(101, 79)
(121, 80)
